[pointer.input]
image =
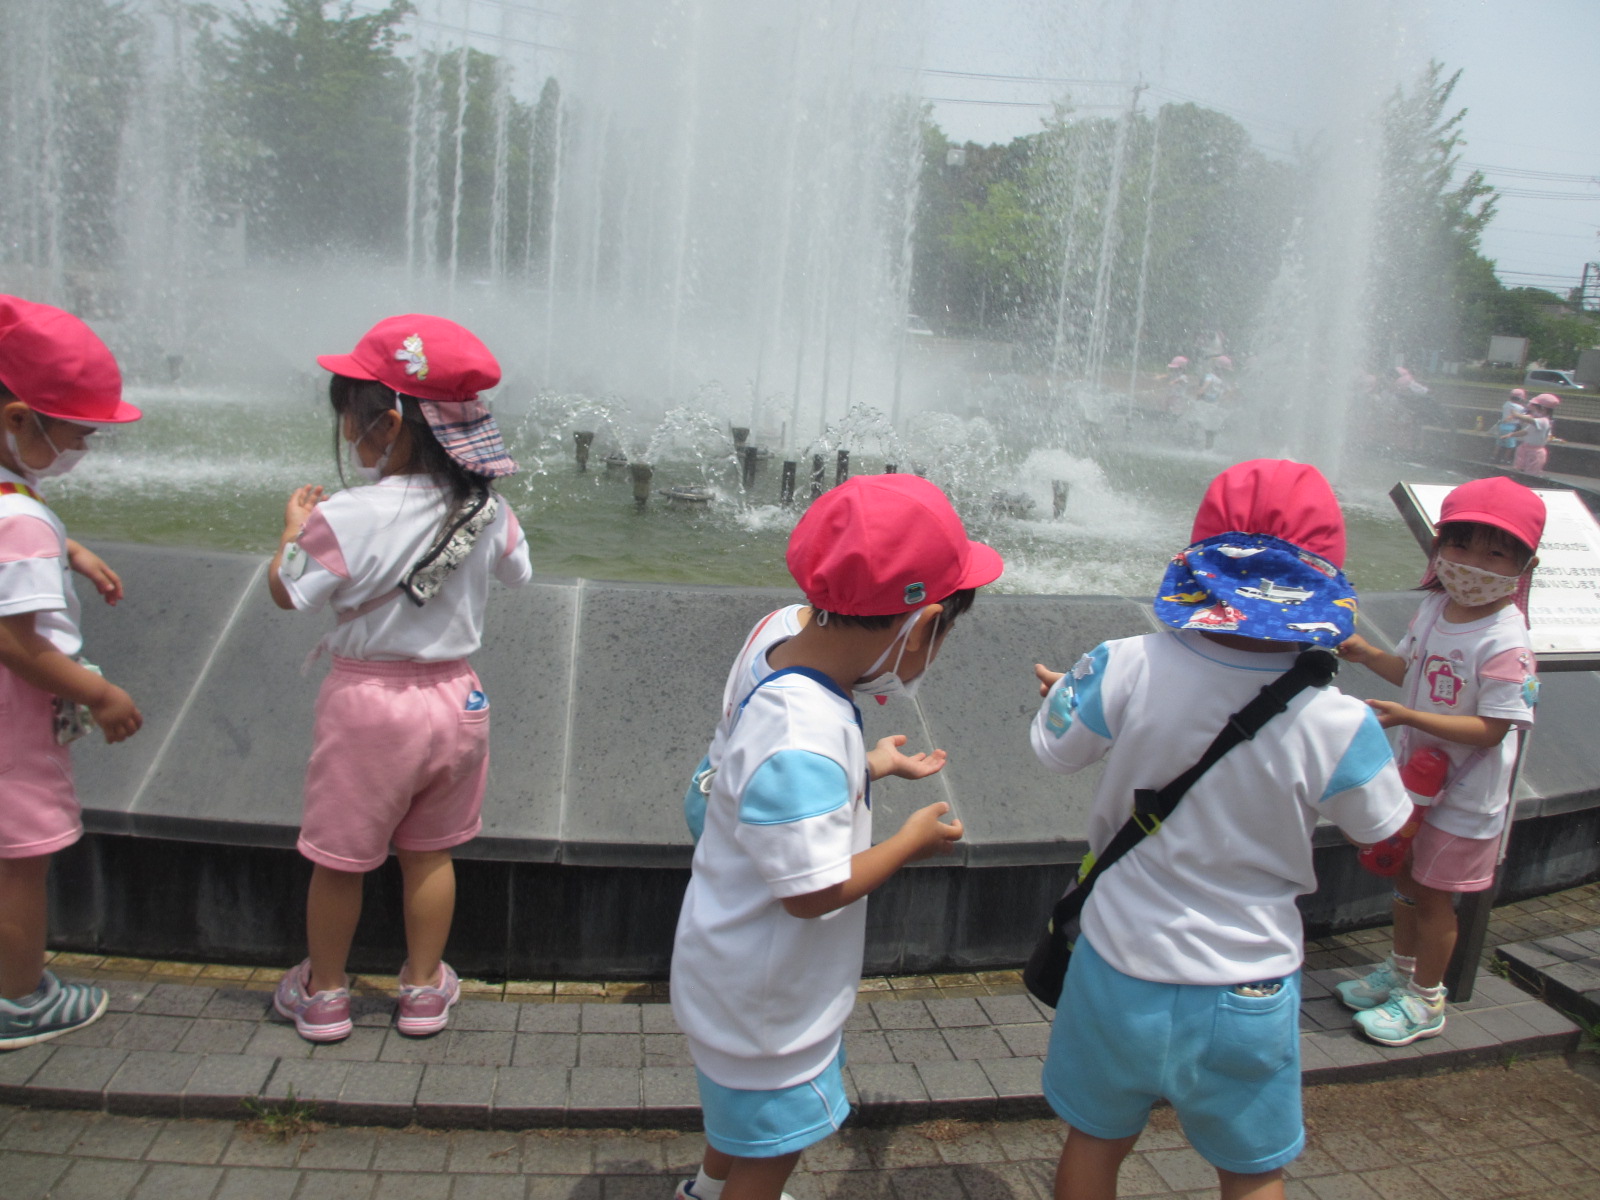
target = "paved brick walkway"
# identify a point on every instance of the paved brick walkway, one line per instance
(1531, 1131)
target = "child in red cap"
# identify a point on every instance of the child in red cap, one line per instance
(768, 952)
(58, 385)
(400, 752)
(1469, 677)
(1185, 982)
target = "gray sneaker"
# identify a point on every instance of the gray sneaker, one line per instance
(53, 1009)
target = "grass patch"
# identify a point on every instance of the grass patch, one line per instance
(281, 1120)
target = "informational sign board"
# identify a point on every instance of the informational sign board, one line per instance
(1564, 600)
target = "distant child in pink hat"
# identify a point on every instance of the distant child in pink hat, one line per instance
(1469, 677)
(1537, 425)
(768, 952)
(58, 386)
(400, 751)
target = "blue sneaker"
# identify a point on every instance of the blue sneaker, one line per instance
(1403, 1019)
(1374, 988)
(53, 1009)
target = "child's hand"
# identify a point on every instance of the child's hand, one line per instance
(1390, 712)
(886, 759)
(298, 511)
(929, 834)
(93, 568)
(116, 714)
(1047, 678)
(1356, 649)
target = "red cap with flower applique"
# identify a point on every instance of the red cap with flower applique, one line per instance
(443, 366)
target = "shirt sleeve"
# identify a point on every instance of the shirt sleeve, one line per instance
(1508, 687)
(1364, 796)
(31, 575)
(512, 565)
(313, 567)
(796, 821)
(1071, 731)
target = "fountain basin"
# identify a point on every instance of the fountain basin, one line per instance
(604, 695)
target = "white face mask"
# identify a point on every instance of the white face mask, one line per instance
(1473, 587)
(352, 456)
(63, 462)
(889, 683)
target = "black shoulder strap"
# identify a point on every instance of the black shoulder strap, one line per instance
(1313, 668)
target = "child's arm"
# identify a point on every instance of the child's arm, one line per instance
(922, 836)
(93, 568)
(1381, 663)
(295, 514)
(1476, 731)
(31, 657)
(886, 759)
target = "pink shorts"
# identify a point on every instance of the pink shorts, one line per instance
(397, 758)
(38, 804)
(1448, 863)
(1530, 460)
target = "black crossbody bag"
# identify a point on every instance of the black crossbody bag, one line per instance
(1046, 970)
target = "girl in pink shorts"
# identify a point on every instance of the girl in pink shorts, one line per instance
(1469, 677)
(58, 385)
(400, 752)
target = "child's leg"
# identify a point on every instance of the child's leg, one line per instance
(748, 1178)
(1432, 936)
(1266, 1186)
(23, 924)
(1089, 1165)
(430, 906)
(333, 906)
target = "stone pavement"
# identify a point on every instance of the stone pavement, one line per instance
(176, 1050)
(1531, 1130)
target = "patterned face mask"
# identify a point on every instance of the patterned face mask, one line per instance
(1473, 587)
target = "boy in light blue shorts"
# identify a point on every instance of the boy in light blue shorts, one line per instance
(1184, 984)
(768, 952)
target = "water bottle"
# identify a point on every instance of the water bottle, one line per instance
(1423, 775)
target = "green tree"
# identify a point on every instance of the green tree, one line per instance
(1428, 280)
(312, 140)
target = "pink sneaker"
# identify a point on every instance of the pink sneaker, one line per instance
(426, 1010)
(317, 1017)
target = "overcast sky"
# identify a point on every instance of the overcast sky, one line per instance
(1288, 67)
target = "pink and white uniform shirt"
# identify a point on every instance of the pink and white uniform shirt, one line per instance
(34, 574)
(356, 546)
(1484, 668)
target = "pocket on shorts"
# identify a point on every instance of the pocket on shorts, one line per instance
(1254, 1037)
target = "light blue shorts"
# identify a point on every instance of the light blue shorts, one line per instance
(1228, 1064)
(750, 1124)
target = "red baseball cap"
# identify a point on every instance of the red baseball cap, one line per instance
(57, 366)
(444, 366)
(1277, 497)
(1499, 502)
(431, 358)
(880, 545)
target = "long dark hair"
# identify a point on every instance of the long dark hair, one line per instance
(366, 400)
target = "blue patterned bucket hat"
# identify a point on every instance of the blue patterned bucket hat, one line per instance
(1257, 586)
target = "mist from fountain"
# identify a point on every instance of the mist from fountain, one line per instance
(717, 207)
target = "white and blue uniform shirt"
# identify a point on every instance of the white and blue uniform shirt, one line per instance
(1209, 897)
(763, 996)
(748, 670)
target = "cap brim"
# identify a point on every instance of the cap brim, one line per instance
(984, 566)
(120, 415)
(346, 365)
(1494, 520)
